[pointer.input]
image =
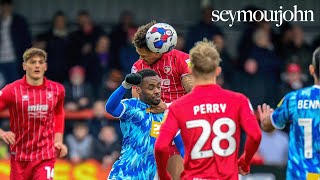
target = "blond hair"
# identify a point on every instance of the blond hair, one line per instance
(204, 58)
(31, 52)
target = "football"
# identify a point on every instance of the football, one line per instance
(161, 38)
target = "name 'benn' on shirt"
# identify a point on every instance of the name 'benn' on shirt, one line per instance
(209, 108)
(308, 104)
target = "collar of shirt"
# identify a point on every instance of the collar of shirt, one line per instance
(42, 86)
(207, 86)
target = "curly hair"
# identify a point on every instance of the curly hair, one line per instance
(139, 39)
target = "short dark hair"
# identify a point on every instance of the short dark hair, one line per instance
(147, 73)
(139, 38)
(316, 62)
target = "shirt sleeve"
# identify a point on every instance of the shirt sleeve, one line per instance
(249, 124)
(59, 113)
(179, 144)
(114, 106)
(3, 98)
(183, 64)
(280, 116)
(135, 67)
(168, 131)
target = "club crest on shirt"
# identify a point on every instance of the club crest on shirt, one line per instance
(167, 69)
(0, 93)
(49, 96)
(25, 98)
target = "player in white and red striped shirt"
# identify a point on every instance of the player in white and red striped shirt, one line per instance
(176, 80)
(36, 120)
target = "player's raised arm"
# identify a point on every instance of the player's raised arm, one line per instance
(113, 105)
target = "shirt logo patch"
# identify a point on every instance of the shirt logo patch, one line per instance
(49, 96)
(165, 83)
(134, 69)
(188, 62)
(25, 98)
(155, 129)
(0, 93)
(167, 69)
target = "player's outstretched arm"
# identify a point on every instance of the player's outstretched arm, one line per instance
(114, 105)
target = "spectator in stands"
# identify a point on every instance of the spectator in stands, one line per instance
(204, 29)
(100, 120)
(109, 147)
(84, 39)
(274, 148)
(97, 63)
(246, 42)
(80, 143)
(299, 51)
(110, 83)
(226, 63)
(78, 93)
(56, 44)
(119, 36)
(181, 42)
(15, 38)
(251, 83)
(128, 54)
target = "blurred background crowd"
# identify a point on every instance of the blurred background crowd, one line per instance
(91, 59)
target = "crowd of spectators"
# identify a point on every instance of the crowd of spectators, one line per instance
(91, 64)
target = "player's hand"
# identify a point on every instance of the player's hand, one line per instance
(264, 111)
(8, 137)
(132, 79)
(160, 108)
(243, 166)
(61, 149)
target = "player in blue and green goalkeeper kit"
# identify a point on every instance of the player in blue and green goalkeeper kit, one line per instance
(301, 110)
(139, 126)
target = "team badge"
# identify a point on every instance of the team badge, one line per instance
(0, 93)
(49, 96)
(167, 69)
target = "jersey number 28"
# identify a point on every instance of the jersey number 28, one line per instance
(196, 152)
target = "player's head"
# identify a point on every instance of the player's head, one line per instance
(140, 43)
(149, 89)
(205, 60)
(35, 63)
(315, 66)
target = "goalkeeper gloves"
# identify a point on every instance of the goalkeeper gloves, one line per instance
(132, 79)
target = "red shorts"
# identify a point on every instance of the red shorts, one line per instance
(32, 170)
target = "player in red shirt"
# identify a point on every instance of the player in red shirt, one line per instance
(176, 80)
(209, 119)
(36, 120)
